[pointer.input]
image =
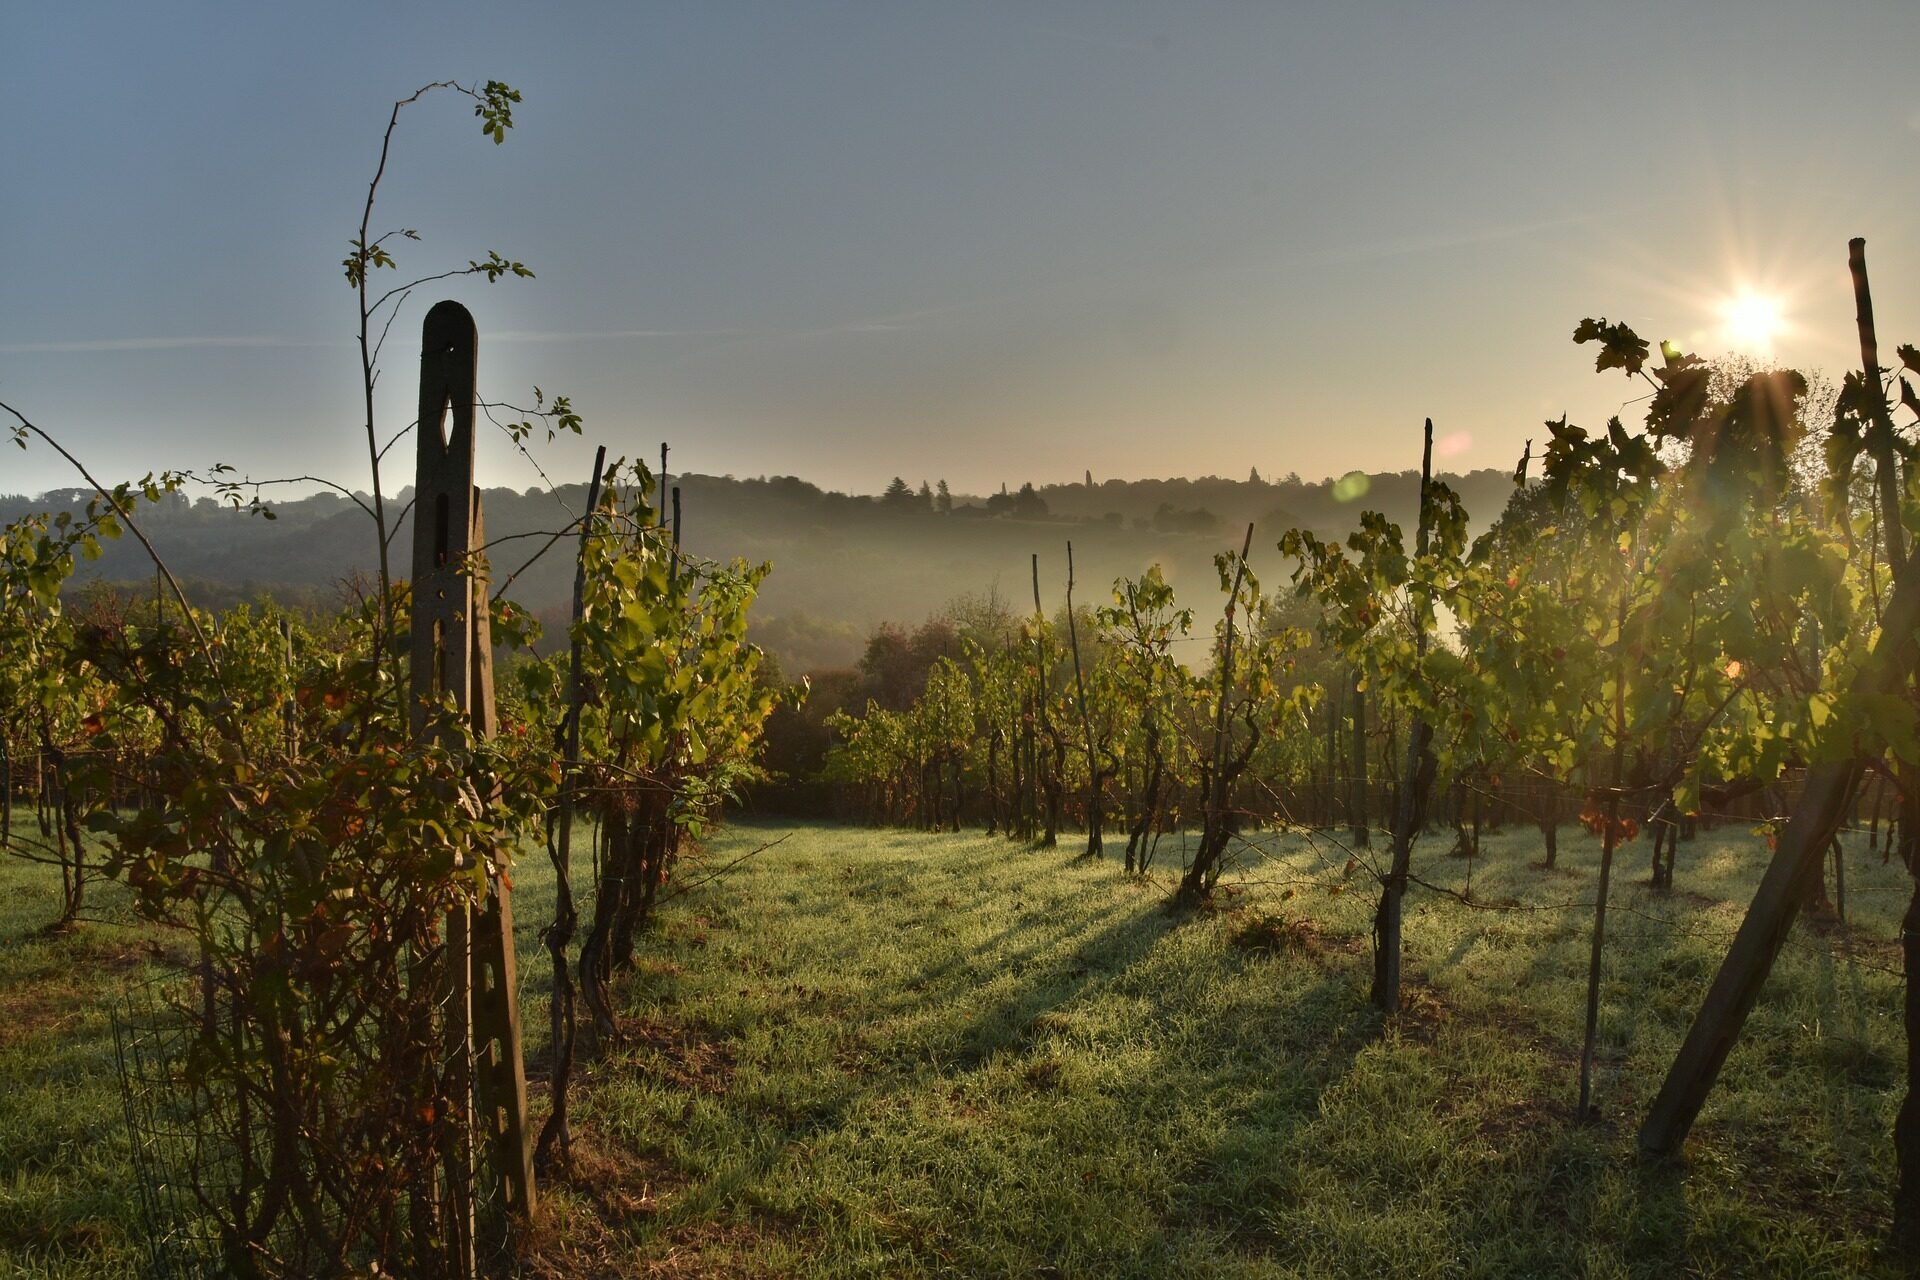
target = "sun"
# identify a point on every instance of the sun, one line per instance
(1751, 321)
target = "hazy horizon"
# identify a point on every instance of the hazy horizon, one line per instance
(988, 243)
(296, 492)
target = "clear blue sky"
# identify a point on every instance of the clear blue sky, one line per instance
(984, 242)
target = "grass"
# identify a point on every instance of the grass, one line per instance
(868, 1053)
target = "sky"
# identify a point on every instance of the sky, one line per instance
(984, 242)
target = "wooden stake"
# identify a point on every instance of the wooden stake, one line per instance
(565, 916)
(1051, 786)
(1609, 841)
(1410, 801)
(1358, 803)
(500, 1084)
(1086, 722)
(289, 724)
(452, 656)
(673, 567)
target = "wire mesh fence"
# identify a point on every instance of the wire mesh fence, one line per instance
(167, 1130)
(216, 1197)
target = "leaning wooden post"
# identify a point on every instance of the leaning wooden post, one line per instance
(1789, 877)
(500, 1081)
(452, 658)
(1801, 850)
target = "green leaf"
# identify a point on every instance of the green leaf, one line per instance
(1620, 347)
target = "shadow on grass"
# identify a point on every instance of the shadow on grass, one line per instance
(1049, 1070)
(1098, 951)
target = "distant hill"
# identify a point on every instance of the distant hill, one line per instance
(842, 563)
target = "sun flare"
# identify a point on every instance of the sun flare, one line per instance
(1751, 321)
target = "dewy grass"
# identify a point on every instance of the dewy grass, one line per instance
(870, 1053)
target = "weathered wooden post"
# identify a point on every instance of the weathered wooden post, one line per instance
(1797, 861)
(452, 658)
